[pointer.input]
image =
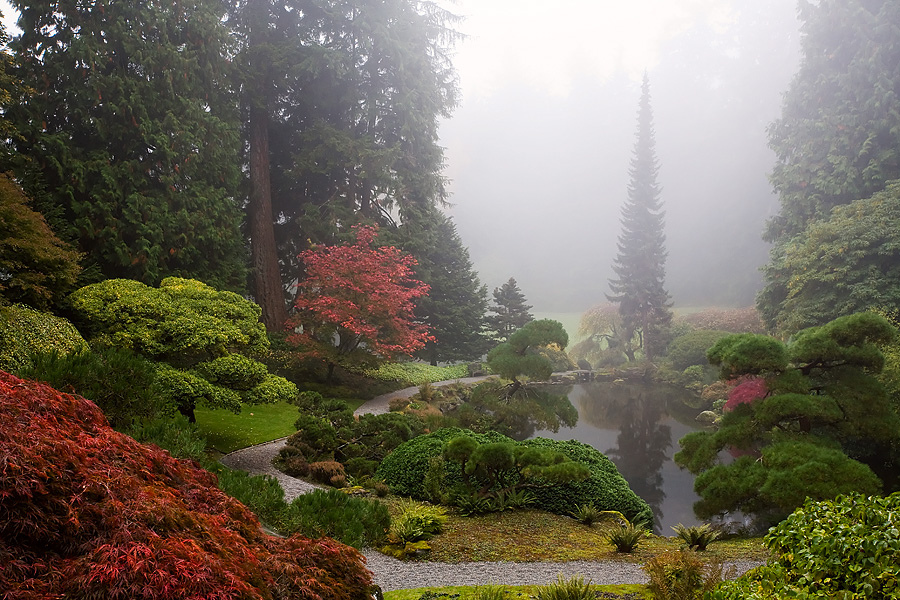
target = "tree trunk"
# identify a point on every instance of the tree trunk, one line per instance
(266, 272)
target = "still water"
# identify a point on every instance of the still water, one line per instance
(638, 427)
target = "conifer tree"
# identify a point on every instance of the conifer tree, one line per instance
(510, 311)
(640, 266)
(455, 306)
(344, 103)
(129, 135)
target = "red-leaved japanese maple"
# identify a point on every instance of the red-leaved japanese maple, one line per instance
(746, 390)
(356, 302)
(87, 512)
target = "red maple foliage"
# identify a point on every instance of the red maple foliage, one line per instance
(87, 512)
(746, 390)
(358, 298)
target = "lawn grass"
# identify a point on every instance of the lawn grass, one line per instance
(512, 592)
(226, 432)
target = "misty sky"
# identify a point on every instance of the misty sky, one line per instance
(538, 151)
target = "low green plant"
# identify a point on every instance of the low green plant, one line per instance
(470, 504)
(120, 382)
(683, 576)
(177, 435)
(626, 537)
(697, 537)
(489, 592)
(586, 514)
(354, 521)
(512, 499)
(566, 589)
(418, 521)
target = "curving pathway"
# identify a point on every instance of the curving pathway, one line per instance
(392, 574)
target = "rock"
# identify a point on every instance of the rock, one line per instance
(707, 417)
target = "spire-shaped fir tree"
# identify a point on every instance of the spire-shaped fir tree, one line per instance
(510, 310)
(640, 266)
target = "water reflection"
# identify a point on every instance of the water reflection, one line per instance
(638, 427)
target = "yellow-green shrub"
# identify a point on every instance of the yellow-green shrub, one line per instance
(25, 331)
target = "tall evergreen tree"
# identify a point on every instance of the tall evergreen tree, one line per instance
(640, 266)
(130, 136)
(455, 306)
(510, 311)
(344, 100)
(838, 138)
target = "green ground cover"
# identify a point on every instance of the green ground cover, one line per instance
(512, 592)
(417, 373)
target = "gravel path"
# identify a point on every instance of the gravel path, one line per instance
(392, 574)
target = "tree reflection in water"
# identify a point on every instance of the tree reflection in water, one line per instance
(637, 425)
(643, 440)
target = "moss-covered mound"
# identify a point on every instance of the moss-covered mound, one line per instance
(91, 513)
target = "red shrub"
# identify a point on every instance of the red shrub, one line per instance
(745, 392)
(88, 512)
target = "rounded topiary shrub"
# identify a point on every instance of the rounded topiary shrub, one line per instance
(605, 489)
(690, 349)
(25, 331)
(405, 469)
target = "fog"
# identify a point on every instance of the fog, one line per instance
(538, 157)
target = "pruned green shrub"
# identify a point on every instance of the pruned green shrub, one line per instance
(405, 468)
(198, 335)
(354, 521)
(605, 489)
(120, 382)
(690, 349)
(25, 331)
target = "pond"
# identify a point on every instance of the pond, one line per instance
(638, 425)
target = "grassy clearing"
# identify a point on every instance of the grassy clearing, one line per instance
(417, 373)
(533, 535)
(512, 592)
(227, 432)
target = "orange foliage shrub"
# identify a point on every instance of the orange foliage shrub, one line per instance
(88, 512)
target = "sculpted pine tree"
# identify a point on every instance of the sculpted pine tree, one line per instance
(838, 138)
(510, 310)
(129, 135)
(640, 266)
(810, 420)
